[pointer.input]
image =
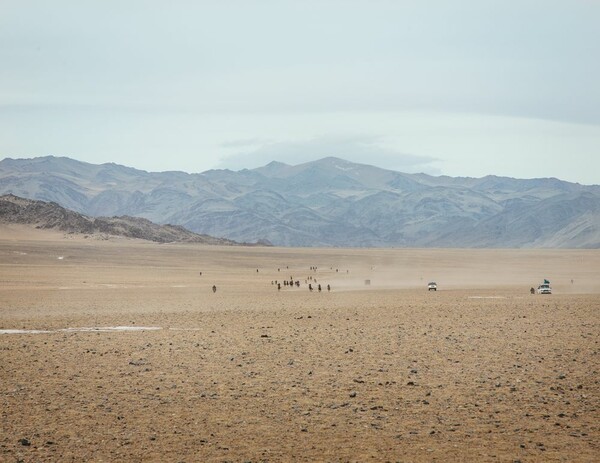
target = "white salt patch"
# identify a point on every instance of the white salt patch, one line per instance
(113, 328)
(178, 286)
(60, 257)
(99, 329)
(24, 331)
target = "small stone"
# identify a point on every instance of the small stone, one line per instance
(353, 394)
(25, 442)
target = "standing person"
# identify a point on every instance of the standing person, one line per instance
(214, 288)
(328, 288)
(319, 287)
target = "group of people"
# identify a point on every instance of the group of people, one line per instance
(296, 283)
(291, 282)
(310, 288)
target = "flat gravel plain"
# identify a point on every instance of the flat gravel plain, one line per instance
(119, 350)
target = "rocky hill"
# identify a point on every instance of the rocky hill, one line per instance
(49, 215)
(330, 202)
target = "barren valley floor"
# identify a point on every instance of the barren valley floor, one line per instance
(134, 358)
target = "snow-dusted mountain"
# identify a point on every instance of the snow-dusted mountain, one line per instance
(330, 202)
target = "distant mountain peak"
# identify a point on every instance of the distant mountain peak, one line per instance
(335, 162)
(273, 168)
(273, 164)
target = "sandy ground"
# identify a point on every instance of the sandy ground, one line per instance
(132, 357)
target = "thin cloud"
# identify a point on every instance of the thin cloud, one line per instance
(244, 143)
(365, 149)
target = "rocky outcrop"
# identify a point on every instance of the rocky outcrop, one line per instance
(49, 215)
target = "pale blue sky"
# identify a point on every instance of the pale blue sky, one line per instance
(462, 88)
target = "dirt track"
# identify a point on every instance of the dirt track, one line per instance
(478, 371)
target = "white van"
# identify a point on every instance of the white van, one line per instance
(544, 288)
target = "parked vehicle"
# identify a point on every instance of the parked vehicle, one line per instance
(432, 286)
(544, 288)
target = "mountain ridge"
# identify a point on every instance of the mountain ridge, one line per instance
(328, 202)
(50, 215)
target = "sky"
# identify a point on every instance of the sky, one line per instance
(459, 88)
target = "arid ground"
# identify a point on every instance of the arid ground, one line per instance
(118, 350)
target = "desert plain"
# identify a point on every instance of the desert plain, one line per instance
(119, 350)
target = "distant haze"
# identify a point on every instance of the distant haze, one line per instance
(463, 88)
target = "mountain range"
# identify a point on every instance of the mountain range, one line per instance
(329, 202)
(49, 215)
